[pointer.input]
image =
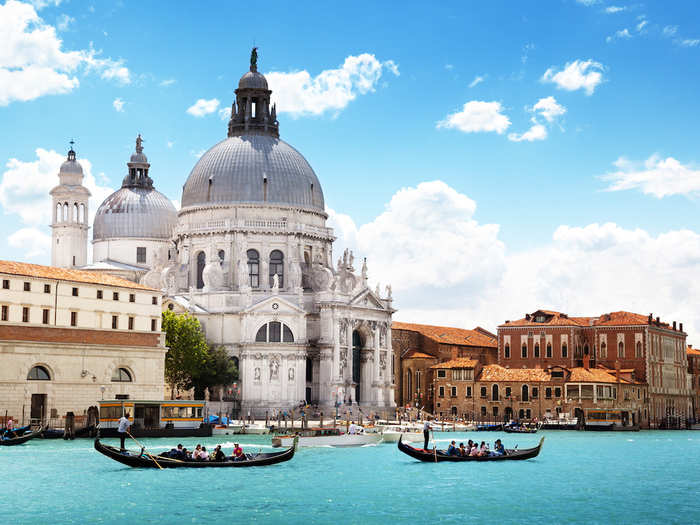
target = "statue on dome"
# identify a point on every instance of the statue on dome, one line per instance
(139, 144)
(254, 59)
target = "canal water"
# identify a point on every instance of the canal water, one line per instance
(579, 477)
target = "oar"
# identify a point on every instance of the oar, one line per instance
(434, 446)
(144, 448)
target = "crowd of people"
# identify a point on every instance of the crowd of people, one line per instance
(473, 448)
(200, 453)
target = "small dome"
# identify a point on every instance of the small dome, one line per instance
(135, 212)
(253, 169)
(252, 80)
(71, 166)
(139, 157)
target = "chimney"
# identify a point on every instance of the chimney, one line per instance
(658, 320)
(617, 370)
(681, 327)
(454, 353)
(674, 326)
(587, 362)
(650, 319)
(527, 317)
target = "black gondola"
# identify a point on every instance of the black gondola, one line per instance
(144, 460)
(490, 427)
(434, 456)
(18, 440)
(513, 429)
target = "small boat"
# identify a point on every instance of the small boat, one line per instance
(239, 428)
(254, 428)
(23, 435)
(145, 460)
(520, 430)
(436, 455)
(490, 427)
(326, 437)
(392, 433)
(52, 433)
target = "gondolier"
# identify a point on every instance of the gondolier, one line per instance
(426, 434)
(123, 428)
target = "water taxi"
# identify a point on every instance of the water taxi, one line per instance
(327, 437)
(608, 419)
(169, 418)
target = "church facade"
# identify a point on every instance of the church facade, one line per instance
(249, 254)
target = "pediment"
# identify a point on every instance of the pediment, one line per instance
(367, 299)
(274, 305)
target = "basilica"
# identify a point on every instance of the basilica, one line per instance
(249, 254)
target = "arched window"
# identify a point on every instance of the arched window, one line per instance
(39, 373)
(603, 350)
(277, 266)
(75, 212)
(621, 349)
(585, 349)
(81, 217)
(274, 332)
(564, 350)
(253, 268)
(638, 349)
(65, 212)
(121, 375)
(59, 212)
(525, 393)
(549, 350)
(537, 349)
(494, 393)
(201, 263)
(222, 256)
(506, 351)
(409, 383)
(523, 351)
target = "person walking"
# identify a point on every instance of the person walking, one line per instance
(426, 433)
(123, 428)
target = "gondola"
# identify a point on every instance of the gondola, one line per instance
(490, 427)
(23, 438)
(435, 456)
(519, 430)
(145, 460)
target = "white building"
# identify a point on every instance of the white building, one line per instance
(69, 338)
(251, 257)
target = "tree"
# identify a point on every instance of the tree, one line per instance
(218, 370)
(187, 350)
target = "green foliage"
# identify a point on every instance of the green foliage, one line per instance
(190, 363)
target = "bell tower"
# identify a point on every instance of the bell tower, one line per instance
(70, 216)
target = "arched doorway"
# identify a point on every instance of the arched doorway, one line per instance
(201, 263)
(356, 365)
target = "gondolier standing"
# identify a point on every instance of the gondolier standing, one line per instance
(124, 425)
(426, 434)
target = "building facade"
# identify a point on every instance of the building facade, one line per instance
(653, 351)
(694, 380)
(69, 338)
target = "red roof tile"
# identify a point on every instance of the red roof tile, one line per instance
(498, 373)
(461, 362)
(414, 354)
(449, 335)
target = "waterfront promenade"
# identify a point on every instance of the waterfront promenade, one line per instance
(580, 477)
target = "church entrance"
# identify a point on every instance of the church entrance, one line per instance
(356, 347)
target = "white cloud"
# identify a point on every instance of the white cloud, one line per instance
(579, 74)
(574, 272)
(526, 52)
(32, 62)
(31, 241)
(669, 31)
(167, 82)
(301, 94)
(203, 107)
(536, 132)
(549, 108)
(622, 34)
(25, 186)
(170, 144)
(118, 105)
(225, 113)
(64, 21)
(614, 9)
(656, 176)
(689, 42)
(198, 153)
(641, 25)
(477, 116)
(41, 4)
(477, 80)
(588, 3)
(449, 67)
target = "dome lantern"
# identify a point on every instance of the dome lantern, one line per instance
(251, 112)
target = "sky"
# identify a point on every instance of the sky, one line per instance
(488, 158)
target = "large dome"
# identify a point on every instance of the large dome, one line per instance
(137, 213)
(253, 169)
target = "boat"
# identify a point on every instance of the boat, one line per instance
(392, 433)
(145, 460)
(326, 437)
(239, 428)
(52, 433)
(608, 419)
(513, 429)
(491, 427)
(436, 456)
(23, 437)
(168, 418)
(564, 421)
(254, 428)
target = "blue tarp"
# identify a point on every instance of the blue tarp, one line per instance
(215, 419)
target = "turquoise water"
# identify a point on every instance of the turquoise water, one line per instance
(579, 477)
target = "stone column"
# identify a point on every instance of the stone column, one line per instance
(348, 349)
(335, 364)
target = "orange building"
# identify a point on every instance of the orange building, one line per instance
(694, 373)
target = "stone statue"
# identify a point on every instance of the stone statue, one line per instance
(256, 374)
(275, 283)
(254, 59)
(213, 274)
(290, 374)
(321, 276)
(274, 370)
(364, 269)
(139, 144)
(376, 290)
(388, 291)
(294, 275)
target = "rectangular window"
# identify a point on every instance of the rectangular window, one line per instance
(483, 411)
(99, 294)
(140, 254)
(5, 312)
(47, 288)
(564, 350)
(5, 284)
(557, 391)
(25, 314)
(469, 391)
(453, 392)
(131, 323)
(535, 392)
(523, 352)
(154, 325)
(441, 373)
(75, 292)
(115, 322)
(441, 391)
(27, 287)
(537, 350)
(548, 392)
(508, 391)
(506, 351)
(74, 318)
(132, 298)
(115, 296)
(548, 351)
(154, 300)
(45, 316)
(483, 392)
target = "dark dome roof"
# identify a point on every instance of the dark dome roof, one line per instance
(253, 169)
(252, 80)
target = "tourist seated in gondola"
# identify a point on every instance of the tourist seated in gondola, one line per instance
(475, 450)
(203, 455)
(462, 450)
(218, 454)
(238, 454)
(484, 449)
(498, 449)
(176, 453)
(452, 450)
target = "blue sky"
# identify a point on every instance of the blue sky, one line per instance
(439, 93)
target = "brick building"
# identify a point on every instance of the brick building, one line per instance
(694, 380)
(417, 347)
(652, 350)
(466, 390)
(69, 338)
